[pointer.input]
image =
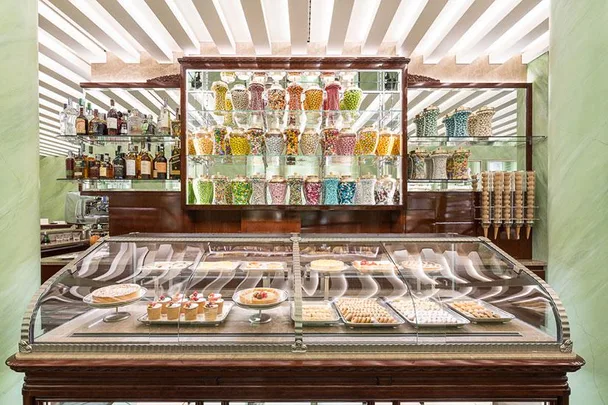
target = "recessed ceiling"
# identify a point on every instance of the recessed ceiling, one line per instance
(75, 33)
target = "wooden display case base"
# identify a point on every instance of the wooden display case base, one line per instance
(305, 380)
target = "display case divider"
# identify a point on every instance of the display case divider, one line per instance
(298, 346)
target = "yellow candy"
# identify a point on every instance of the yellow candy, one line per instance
(368, 140)
(385, 144)
(239, 144)
(396, 151)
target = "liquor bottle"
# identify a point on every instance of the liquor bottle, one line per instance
(82, 124)
(175, 164)
(71, 114)
(103, 167)
(131, 163)
(79, 165)
(176, 124)
(119, 164)
(69, 166)
(102, 129)
(160, 164)
(145, 164)
(113, 120)
(134, 123)
(63, 121)
(94, 123)
(138, 161)
(89, 112)
(94, 167)
(164, 120)
(124, 126)
(151, 128)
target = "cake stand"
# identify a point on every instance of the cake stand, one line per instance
(116, 315)
(259, 317)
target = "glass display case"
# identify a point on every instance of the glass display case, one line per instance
(296, 293)
(247, 123)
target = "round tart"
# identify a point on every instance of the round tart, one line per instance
(427, 267)
(260, 296)
(116, 293)
(327, 265)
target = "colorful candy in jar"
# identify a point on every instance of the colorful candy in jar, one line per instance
(313, 98)
(256, 101)
(310, 141)
(241, 190)
(346, 190)
(203, 143)
(365, 190)
(440, 161)
(385, 143)
(460, 164)
(239, 143)
(258, 189)
(312, 190)
(292, 140)
(330, 189)
(351, 100)
(275, 143)
(222, 194)
(295, 184)
(190, 192)
(203, 190)
(219, 89)
(219, 138)
(332, 101)
(368, 140)
(346, 142)
(256, 140)
(240, 97)
(295, 96)
(417, 163)
(329, 141)
(277, 187)
(276, 97)
(396, 150)
(190, 143)
(385, 190)
(228, 118)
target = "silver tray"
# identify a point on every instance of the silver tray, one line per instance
(326, 304)
(199, 322)
(391, 311)
(461, 319)
(263, 268)
(504, 316)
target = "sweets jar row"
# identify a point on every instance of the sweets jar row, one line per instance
(293, 190)
(329, 141)
(462, 122)
(439, 164)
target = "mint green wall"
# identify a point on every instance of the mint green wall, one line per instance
(19, 215)
(52, 192)
(578, 185)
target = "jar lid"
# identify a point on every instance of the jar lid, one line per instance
(368, 176)
(219, 84)
(258, 176)
(332, 175)
(277, 179)
(346, 179)
(218, 176)
(328, 74)
(368, 128)
(385, 132)
(310, 130)
(387, 177)
(240, 178)
(204, 177)
(334, 84)
(431, 107)
(237, 132)
(462, 108)
(295, 176)
(312, 179)
(238, 87)
(485, 108)
(312, 87)
(295, 84)
(277, 86)
(439, 151)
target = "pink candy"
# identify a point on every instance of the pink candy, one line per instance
(312, 192)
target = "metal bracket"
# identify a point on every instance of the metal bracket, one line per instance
(566, 346)
(298, 346)
(25, 347)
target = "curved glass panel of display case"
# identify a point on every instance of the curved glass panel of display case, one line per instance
(295, 293)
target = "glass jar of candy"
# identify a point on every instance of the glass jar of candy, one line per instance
(258, 189)
(276, 97)
(417, 162)
(313, 98)
(365, 190)
(396, 150)
(255, 136)
(191, 198)
(460, 164)
(239, 143)
(275, 143)
(277, 188)
(367, 141)
(385, 190)
(203, 190)
(221, 145)
(430, 115)
(312, 190)
(241, 190)
(351, 100)
(329, 141)
(222, 193)
(346, 190)
(295, 184)
(292, 140)
(203, 142)
(440, 162)
(461, 117)
(346, 142)
(219, 89)
(256, 91)
(310, 141)
(240, 97)
(330, 189)
(385, 143)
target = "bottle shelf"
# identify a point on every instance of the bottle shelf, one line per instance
(126, 184)
(100, 139)
(460, 141)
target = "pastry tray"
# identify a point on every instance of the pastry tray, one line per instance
(504, 316)
(325, 304)
(235, 265)
(263, 266)
(390, 267)
(383, 304)
(199, 322)
(177, 265)
(414, 322)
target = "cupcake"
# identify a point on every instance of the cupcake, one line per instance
(173, 310)
(214, 297)
(211, 311)
(198, 299)
(154, 311)
(191, 309)
(220, 305)
(164, 300)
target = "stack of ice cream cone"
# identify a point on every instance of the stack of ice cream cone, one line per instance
(518, 203)
(498, 189)
(530, 186)
(474, 181)
(506, 203)
(485, 202)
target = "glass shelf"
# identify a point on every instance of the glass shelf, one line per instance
(457, 141)
(126, 184)
(166, 138)
(270, 207)
(438, 181)
(270, 111)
